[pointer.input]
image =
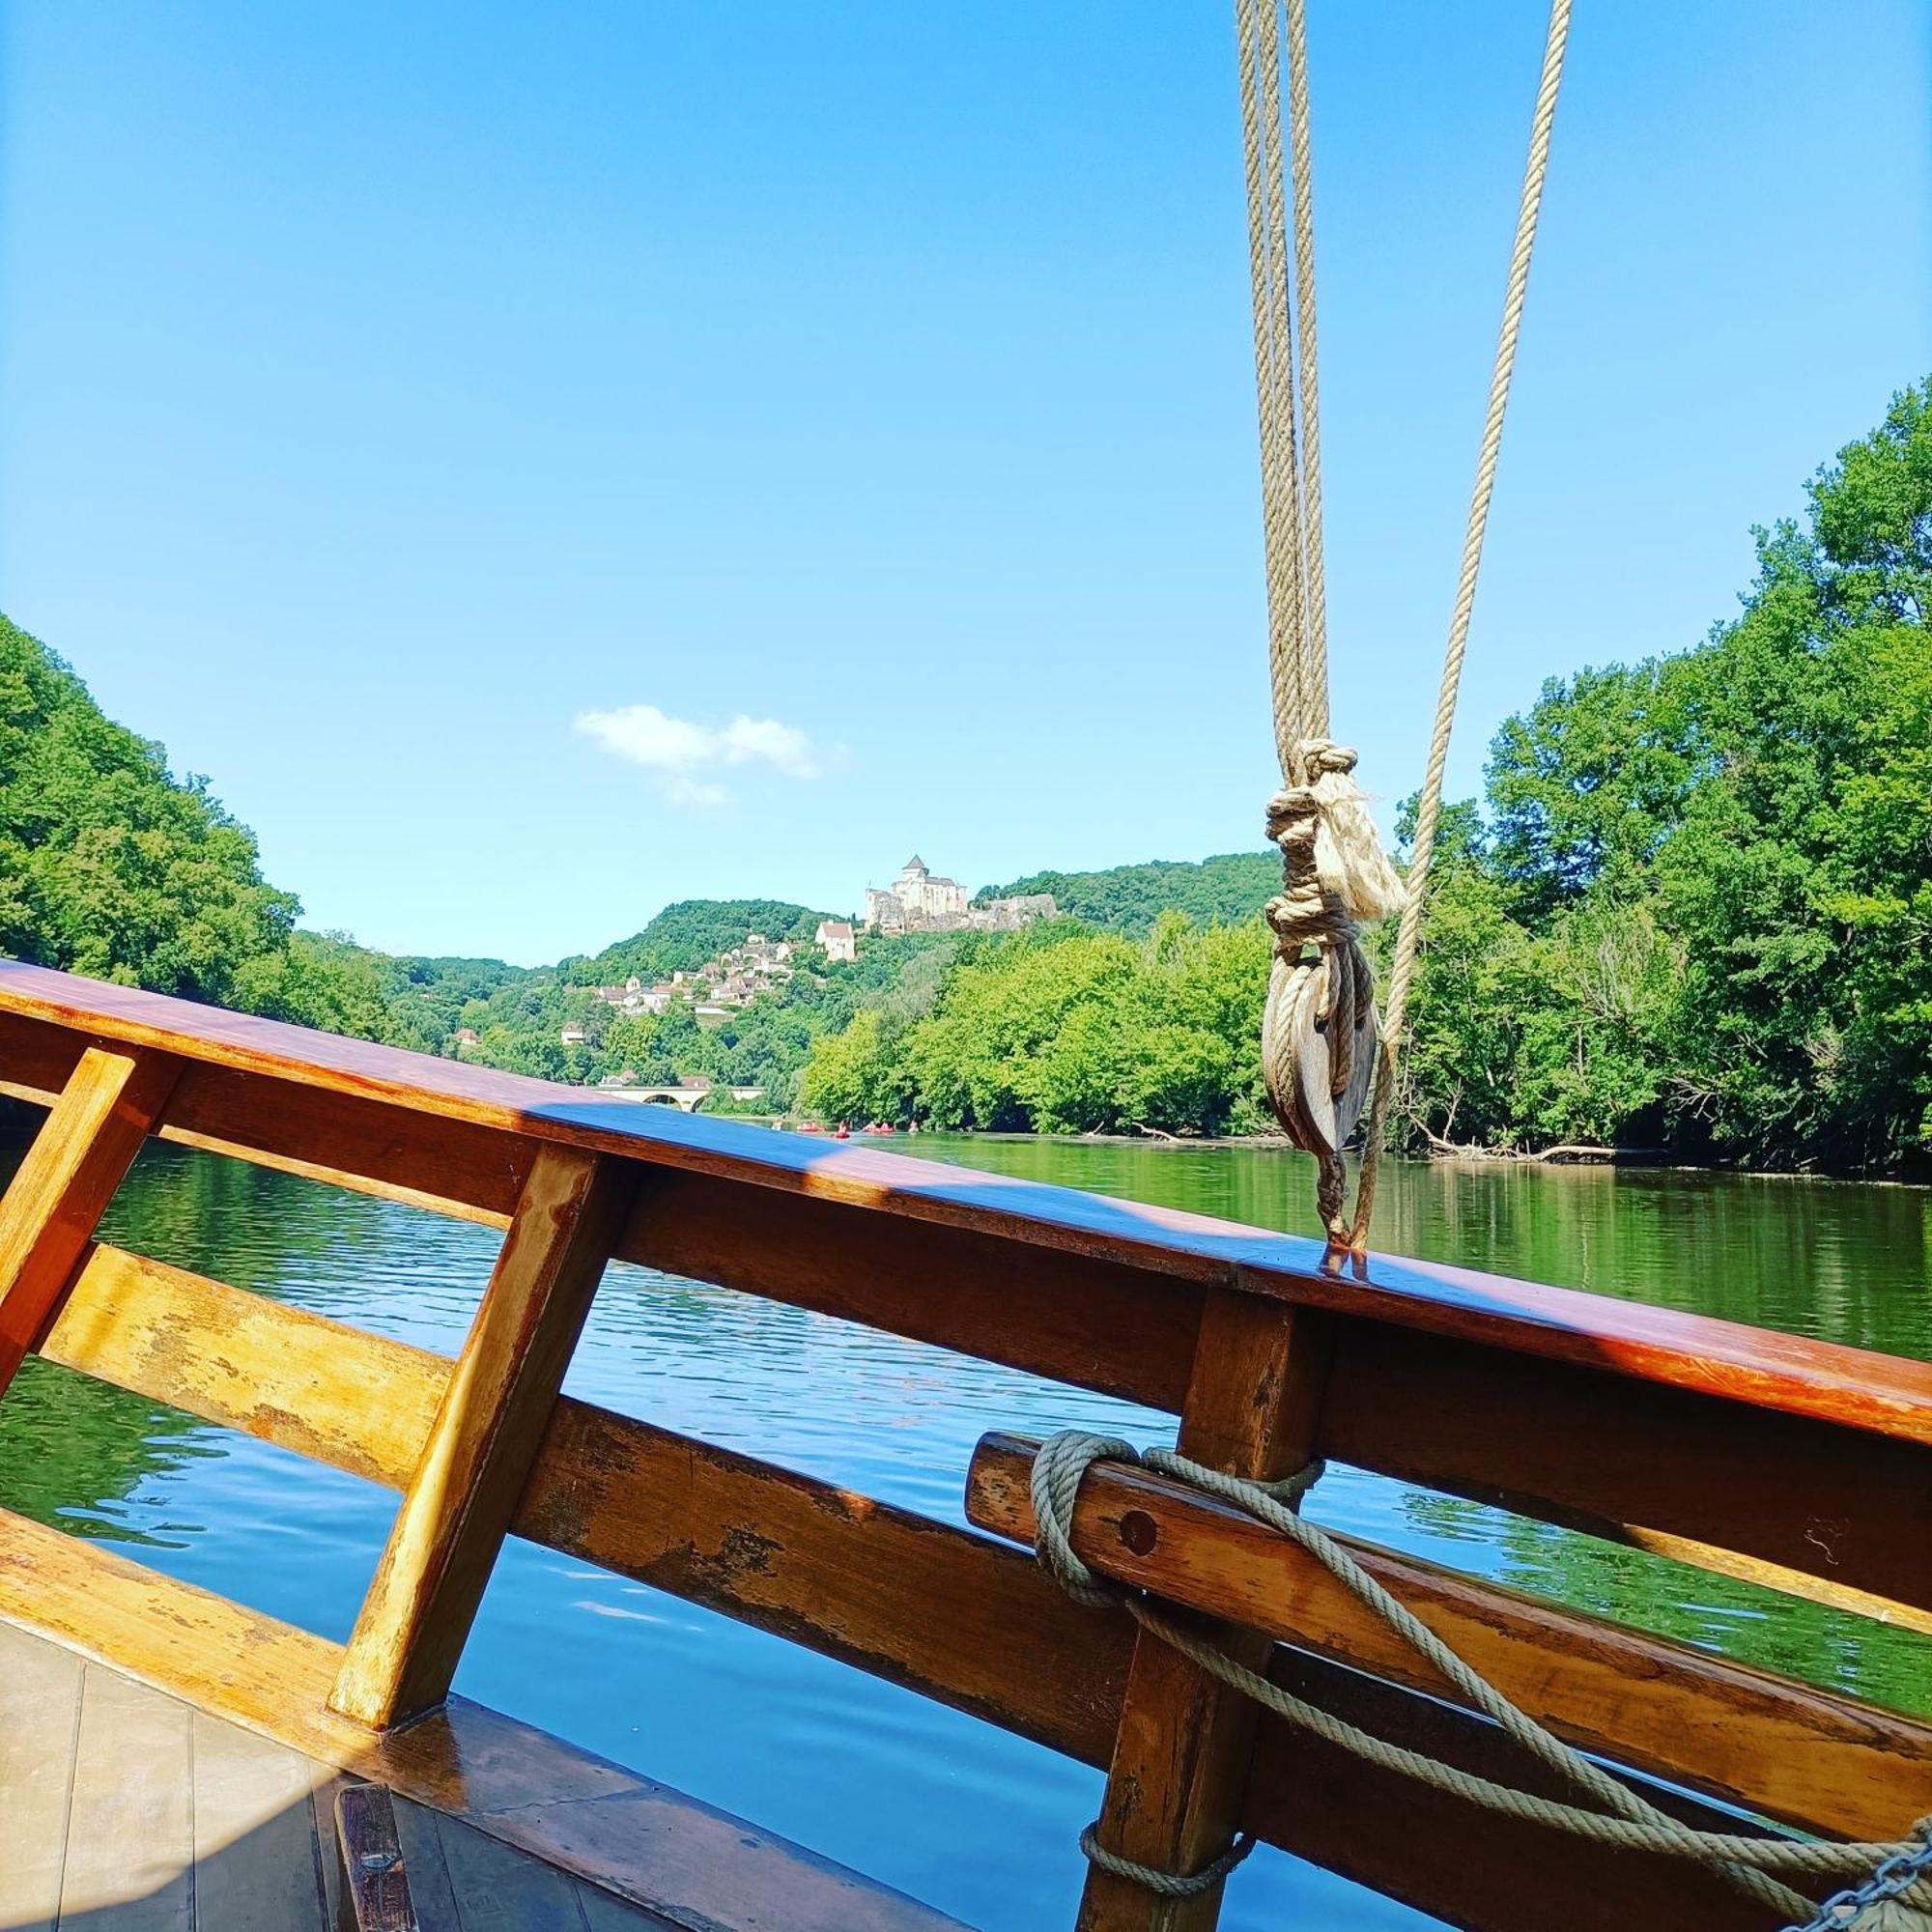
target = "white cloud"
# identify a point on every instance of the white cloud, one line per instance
(682, 754)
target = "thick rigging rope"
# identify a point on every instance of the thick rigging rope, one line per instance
(1614, 1814)
(1429, 811)
(1323, 1056)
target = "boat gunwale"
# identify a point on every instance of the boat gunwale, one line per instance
(1880, 1394)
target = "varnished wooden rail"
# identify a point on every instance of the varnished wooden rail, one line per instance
(1804, 1466)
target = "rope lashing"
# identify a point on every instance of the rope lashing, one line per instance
(1062, 1461)
(1163, 1883)
(1318, 1023)
(1321, 1076)
(1756, 1867)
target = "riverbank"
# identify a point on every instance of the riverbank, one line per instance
(1650, 1161)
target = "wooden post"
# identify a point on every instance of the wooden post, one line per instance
(1181, 1757)
(108, 1107)
(495, 1407)
(368, 1852)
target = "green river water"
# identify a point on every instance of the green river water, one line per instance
(978, 1823)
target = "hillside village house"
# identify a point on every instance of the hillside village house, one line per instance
(634, 997)
(919, 901)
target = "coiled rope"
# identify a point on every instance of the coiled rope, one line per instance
(1755, 1867)
(1323, 1055)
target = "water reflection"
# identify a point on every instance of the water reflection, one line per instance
(978, 1823)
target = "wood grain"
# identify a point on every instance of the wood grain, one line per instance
(130, 1826)
(1455, 1860)
(1876, 1394)
(1179, 1769)
(62, 1187)
(954, 1617)
(618, 1829)
(375, 1878)
(949, 1614)
(1813, 1758)
(1799, 1503)
(39, 1716)
(640, 1839)
(488, 1425)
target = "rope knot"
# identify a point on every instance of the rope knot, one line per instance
(1055, 1485)
(1319, 1027)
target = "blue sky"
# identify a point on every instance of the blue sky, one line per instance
(848, 409)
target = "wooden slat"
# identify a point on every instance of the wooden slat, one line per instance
(1859, 1390)
(588, 1816)
(130, 1830)
(1068, 1317)
(257, 1862)
(1179, 1771)
(63, 1184)
(486, 1433)
(356, 1400)
(375, 1879)
(953, 1615)
(39, 1714)
(1471, 1867)
(1823, 1762)
(449, 1168)
(1795, 1502)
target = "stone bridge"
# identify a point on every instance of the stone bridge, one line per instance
(689, 1097)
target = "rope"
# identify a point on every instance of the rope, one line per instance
(1163, 1883)
(1320, 998)
(1408, 935)
(1749, 1863)
(1281, 518)
(1314, 677)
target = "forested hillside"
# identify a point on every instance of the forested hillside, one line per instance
(1697, 909)
(1222, 891)
(111, 866)
(1692, 910)
(688, 933)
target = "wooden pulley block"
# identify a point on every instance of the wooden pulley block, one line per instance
(1328, 1013)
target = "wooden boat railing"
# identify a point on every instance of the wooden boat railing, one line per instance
(1794, 1464)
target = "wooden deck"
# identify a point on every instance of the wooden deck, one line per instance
(123, 1810)
(1799, 1465)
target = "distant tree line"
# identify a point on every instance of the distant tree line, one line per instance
(1696, 909)
(1222, 891)
(1692, 910)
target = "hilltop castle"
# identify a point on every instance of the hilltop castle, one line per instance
(920, 900)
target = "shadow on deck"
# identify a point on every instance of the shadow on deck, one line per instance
(127, 1811)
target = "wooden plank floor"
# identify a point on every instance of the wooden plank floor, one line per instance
(124, 1810)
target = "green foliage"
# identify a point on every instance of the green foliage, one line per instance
(1693, 909)
(1224, 890)
(109, 865)
(688, 933)
(1702, 910)
(1063, 1029)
